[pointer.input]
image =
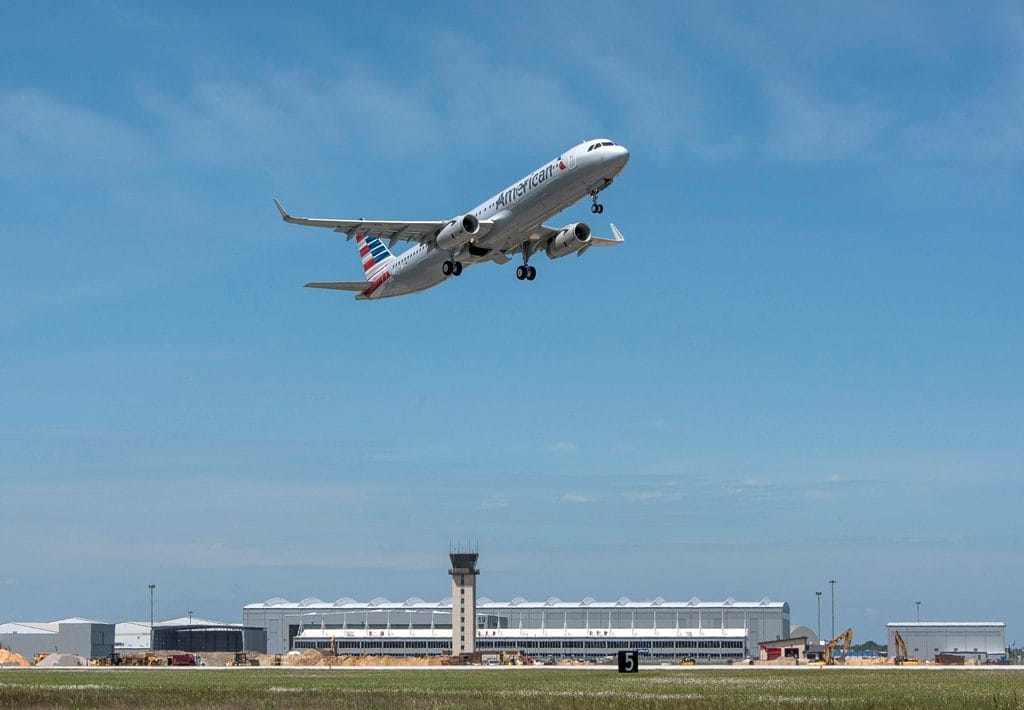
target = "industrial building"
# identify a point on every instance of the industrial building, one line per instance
(81, 637)
(983, 641)
(188, 633)
(587, 629)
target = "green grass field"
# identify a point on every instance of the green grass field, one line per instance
(518, 688)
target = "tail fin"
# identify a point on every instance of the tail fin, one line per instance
(375, 255)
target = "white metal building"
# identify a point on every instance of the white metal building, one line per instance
(981, 640)
(82, 637)
(708, 631)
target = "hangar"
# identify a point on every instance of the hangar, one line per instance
(189, 633)
(81, 637)
(708, 631)
(983, 641)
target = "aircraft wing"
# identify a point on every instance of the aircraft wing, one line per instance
(541, 235)
(393, 231)
(617, 238)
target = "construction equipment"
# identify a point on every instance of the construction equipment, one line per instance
(242, 659)
(514, 658)
(141, 659)
(847, 638)
(902, 656)
(183, 659)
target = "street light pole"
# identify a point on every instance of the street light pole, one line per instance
(832, 583)
(918, 610)
(190, 618)
(151, 588)
(818, 595)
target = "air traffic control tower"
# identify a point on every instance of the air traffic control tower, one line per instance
(463, 574)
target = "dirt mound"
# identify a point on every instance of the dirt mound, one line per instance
(309, 657)
(62, 660)
(9, 657)
(317, 657)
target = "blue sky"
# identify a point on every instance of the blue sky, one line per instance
(804, 363)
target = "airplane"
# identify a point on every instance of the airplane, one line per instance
(508, 223)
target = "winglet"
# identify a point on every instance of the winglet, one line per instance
(615, 231)
(284, 215)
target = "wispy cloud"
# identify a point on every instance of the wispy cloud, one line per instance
(654, 495)
(989, 125)
(580, 498)
(562, 447)
(806, 126)
(42, 133)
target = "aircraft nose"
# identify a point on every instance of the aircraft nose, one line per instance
(618, 155)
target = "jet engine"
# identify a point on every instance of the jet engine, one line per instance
(457, 232)
(572, 238)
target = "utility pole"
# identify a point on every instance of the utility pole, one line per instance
(832, 583)
(818, 595)
(151, 588)
(918, 610)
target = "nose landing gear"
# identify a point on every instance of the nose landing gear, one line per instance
(596, 207)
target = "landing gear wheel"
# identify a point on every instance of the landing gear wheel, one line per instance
(597, 208)
(600, 208)
(447, 268)
(531, 273)
(457, 271)
(521, 272)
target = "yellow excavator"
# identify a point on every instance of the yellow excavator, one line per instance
(847, 638)
(902, 656)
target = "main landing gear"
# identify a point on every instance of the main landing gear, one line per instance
(451, 268)
(597, 207)
(526, 272)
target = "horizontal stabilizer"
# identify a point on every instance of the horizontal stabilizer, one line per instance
(341, 285)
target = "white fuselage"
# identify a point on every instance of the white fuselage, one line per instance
(516, 211)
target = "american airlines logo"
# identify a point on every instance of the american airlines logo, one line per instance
(515, 193)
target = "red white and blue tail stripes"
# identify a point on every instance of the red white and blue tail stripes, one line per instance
(376, 259)
(375, 255)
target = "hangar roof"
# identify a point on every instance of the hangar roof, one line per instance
(143, 626)
(42, 627)
(517, 603)
(946, 623)
(28, 627)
